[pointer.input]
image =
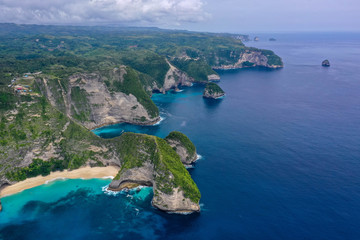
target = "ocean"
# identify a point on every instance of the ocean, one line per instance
(280, 158)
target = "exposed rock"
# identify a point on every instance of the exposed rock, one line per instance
(256, 39)
(175, 202)
(213, 77)
(326, 63)
(272, 39)
(89, 101)
(173, 79)
(183, 147)
(250, 59)
(158, 170)
(212, 90)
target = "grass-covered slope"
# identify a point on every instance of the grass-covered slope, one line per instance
(212, 90)
(138, 150)
(37, 139)
(62, 51)
(183, 146)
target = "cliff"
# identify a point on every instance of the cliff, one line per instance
(159, 166)
(96, 100)
(212, 90)
(38, 139)
(75, 82)
(183, 147)
(252, 58)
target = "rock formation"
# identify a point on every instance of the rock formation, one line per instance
(92, 100)
(183, 147)
(253, 58)
(159, 166)
(173, 79)
(325, 63)
(143, 159)
(212, 90)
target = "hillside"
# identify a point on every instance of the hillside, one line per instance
(72, 65)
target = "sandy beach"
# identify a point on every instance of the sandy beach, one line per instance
(85, 173)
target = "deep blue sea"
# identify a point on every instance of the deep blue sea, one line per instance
(280, 158)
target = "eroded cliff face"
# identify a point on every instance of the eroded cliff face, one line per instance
(250, 59)
(185, 157)
(173, 201)
(88, 100)
(174, 78)
(158, 165)
(213, 95)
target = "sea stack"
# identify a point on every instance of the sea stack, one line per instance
(212, 90)
(325, 63)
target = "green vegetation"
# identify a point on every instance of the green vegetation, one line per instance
(213, 88)
(7, 101)
(81, 109)
(137, 149)
(169, 160)
(128, 148)
(35, 126)
(32, 129)
(184, 141)
(273, 59)
(248, 64)
(36, 168)
(132, 85)
(197, 69)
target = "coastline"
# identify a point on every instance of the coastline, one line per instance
(84, 173)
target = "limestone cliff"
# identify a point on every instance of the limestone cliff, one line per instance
(158, 165)
(183, 147)
(95, 100)
(174, 78)
(38, 139)
(252, 58)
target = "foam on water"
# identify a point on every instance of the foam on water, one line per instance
(55, 179)
(158, 123)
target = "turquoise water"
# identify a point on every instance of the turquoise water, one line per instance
(280, 158)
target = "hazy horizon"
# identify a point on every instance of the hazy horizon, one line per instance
(257, 16)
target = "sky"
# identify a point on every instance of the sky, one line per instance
(235, 16)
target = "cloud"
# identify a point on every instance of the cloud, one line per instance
(145, 12)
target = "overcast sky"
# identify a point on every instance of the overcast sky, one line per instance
(203, 15)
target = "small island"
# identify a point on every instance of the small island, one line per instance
(212, 90)
(326, 63)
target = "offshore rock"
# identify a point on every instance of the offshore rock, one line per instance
(212, 90)
(325, 63)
